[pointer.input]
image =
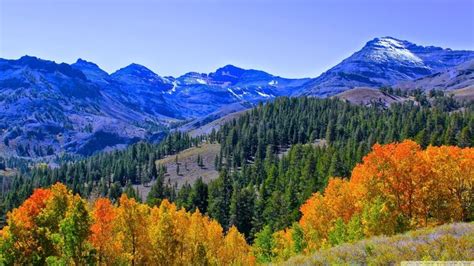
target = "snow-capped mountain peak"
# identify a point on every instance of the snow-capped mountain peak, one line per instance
(385, 61)
(135, 103)
(387, 49)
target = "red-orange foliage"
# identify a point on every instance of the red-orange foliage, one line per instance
(22, 225)
(24, 216)
(102, 230)
(398, 186)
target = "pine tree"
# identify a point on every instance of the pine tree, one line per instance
(157, 191)
(199, 196)
(220, 192)
(242, 209)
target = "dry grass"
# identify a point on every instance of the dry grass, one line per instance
(8, 172)
(189, 171)
(452, 242)
(366, 96)
(465, 94)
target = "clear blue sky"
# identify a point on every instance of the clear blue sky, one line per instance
(291, 38)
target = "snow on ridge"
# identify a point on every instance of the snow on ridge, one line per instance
(173, 90)
(263, 94)
(388, 49)
(201, 81)
(390, 42)
(273, 83)
(233, 93)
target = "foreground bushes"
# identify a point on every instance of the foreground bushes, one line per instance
(56, 227)
(453, 242)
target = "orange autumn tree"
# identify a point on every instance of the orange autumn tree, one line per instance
(452, 169)
(54, 226)
(21, 231)
(49, 227)
(395, 176)
(397, 187)
(103, 233)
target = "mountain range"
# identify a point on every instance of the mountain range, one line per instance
(48, 108)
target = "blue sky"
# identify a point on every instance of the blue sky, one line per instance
(292, 38)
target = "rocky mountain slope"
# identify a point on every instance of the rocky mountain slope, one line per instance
(457, 77)
(49, 108)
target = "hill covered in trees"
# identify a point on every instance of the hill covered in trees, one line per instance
(269, 163)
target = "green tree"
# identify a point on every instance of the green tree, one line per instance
(74, 231)
(297, 236)
(264, 245)
(242, 209)
(199, 195)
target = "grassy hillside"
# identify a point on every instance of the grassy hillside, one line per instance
(369, 96)
(464, 94)
(442, 243)
(189, 170)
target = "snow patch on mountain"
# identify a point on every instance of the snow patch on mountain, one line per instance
(175, 86)
(389, 49)
(264, 94)
(233, 93)
(201, 81)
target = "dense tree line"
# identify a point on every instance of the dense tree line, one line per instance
(397, 187)
(290, 121)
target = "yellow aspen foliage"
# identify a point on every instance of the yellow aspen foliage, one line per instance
(214, 238)
(54, 226)
(235, 250)
(163, 235)
(132, 220)
(283, 244)
(22, 228)
(315, 221)
(339, 199)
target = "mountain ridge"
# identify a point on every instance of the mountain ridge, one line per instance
(82, 103)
